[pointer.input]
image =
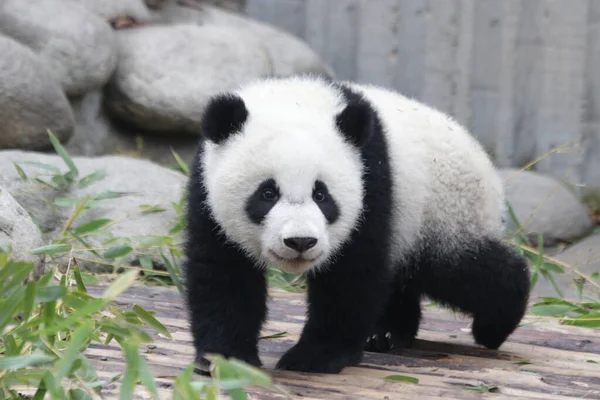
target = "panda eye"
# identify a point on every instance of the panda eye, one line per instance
(319, 196)
(269, 195)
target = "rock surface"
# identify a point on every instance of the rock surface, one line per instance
(583, 256)
(78, 47)
(30, 101)
(544, 205)
(144, 183)
(290, 54)
(18, 233)
(166, 74)
(96, 134)
(111, 9)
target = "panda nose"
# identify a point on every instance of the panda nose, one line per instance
(300, 243)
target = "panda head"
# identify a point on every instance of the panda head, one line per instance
(283, 171)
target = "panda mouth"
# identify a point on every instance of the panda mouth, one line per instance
(298, 259)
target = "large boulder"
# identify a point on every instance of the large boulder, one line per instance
(30, 100)
(96, 134)
(77, 46)
(144, 208)
(546, 206)
(18, 233)
(111, 9)
(166, 74)
(290, 54)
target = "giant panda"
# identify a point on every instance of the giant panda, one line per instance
(380, 199)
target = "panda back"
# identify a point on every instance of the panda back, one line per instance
(446, 191)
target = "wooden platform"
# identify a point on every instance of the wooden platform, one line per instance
(541, 360)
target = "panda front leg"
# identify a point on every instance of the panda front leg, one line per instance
(399, 324)
(488, 281)
(344, 302)
(227, 306)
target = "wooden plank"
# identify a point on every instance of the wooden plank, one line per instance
(591, 140)
(561, 92)
(444, 358)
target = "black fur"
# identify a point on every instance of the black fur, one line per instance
(224, 115)
(328, 206)
(225, 293)
(259, 205)
(487, 280)
(358, 120)
(344, 299)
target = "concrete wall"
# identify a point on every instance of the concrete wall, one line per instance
(523, 75)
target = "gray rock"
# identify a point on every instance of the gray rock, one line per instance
(583, 256)
(166, 74)
(96, 134)
(144, 183)
(30, 101)
(19, 234)
(544, 205)
(111, 9)
(78, 47)
(233, 5)
(290, 54)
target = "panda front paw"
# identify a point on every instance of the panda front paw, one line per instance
(383, 342)
(318, 359)
(202, 364)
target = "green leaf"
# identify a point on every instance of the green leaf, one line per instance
(482, 388)
(552, 267)
(9, 306)
(52, 249)
(275, 335)
(110, 195)
(92, 178)
(552, 310)
(29, 299)
(21, 172)
(79, 280)
(117, 251)
(147, 378)
(47, 167)
(78, 339)
(151, 321)
(591, 361)
(148, 208)
(91, 226)
(182, 164)
(49, 293)
(62, 152)
(29, 360)
(122, 283)
(401, 378)
(130, 378)
(591, 320)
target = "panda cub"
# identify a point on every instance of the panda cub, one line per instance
(380, 199)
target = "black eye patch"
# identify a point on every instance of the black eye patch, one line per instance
(325, 201)
(262, 200)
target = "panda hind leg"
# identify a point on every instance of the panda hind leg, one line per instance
(399, 322)
(490, 281)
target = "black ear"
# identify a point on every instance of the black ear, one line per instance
(224, 115)
(357, 122)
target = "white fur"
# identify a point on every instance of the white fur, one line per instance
(290, 136)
